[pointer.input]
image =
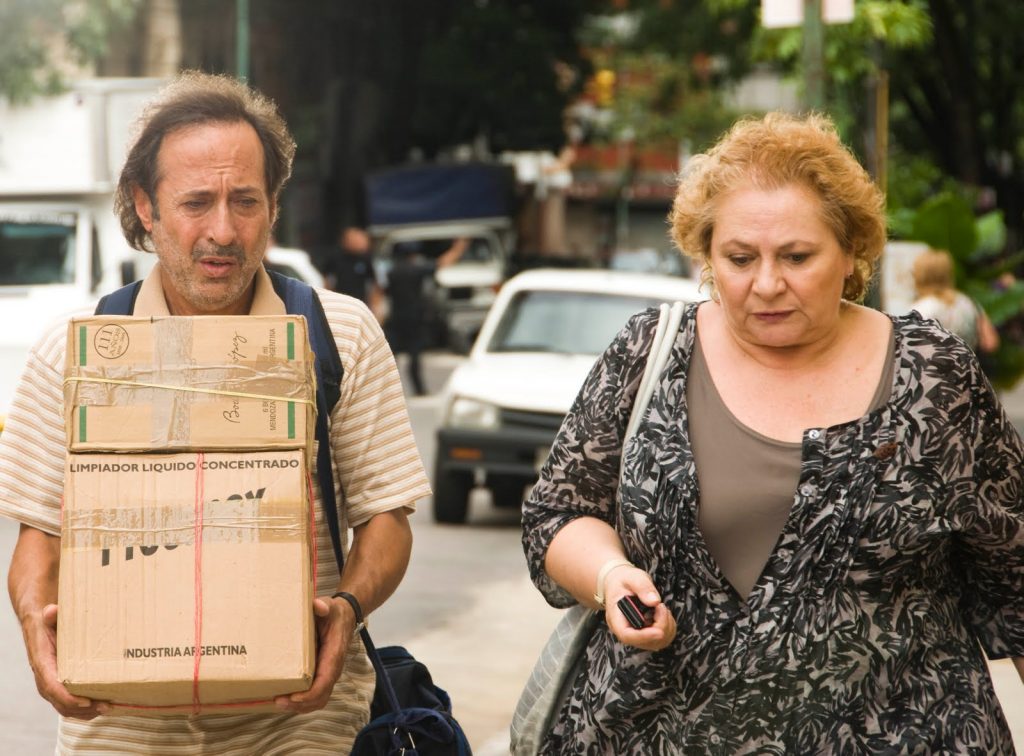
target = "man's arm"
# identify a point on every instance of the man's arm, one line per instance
(451, 255)
(32, 584)
(375, 566)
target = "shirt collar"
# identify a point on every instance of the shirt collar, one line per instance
(151, 302)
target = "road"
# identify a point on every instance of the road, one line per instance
(466, 608)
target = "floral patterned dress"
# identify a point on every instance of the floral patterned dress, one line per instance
(900, 566)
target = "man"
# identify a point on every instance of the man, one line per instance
(407, 314)
(200, 188)
(349, 267)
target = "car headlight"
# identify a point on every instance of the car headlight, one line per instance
(470, 413)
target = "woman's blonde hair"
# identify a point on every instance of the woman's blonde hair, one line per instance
(772, 152)
(933, 275)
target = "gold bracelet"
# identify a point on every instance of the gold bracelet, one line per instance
(607, 567)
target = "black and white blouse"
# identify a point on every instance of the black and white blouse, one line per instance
(900, 566)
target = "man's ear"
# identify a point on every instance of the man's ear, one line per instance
(143, 207)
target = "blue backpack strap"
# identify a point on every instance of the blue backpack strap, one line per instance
(119, 302)
(300, 299)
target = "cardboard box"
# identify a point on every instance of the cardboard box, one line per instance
(212, 383)
(137, 597)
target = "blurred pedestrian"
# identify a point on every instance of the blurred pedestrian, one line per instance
(822, 504)
(408, 280)
(349, 268)
(938, 299)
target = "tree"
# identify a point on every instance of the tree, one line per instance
(958, 99)
(29, 29)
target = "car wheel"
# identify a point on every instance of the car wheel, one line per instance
(506, 490)
(451, 496)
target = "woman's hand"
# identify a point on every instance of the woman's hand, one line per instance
(627, 581)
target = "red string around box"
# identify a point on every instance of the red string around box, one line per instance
(198, 612)
(312, 527)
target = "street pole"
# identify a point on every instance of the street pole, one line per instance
(242, 39)
(813, 56)
(882, 129)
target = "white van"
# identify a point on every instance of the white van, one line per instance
(61, 246)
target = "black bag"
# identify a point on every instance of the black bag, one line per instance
(409, 714)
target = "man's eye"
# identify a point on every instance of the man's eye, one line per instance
(195, 204)
(248, 202)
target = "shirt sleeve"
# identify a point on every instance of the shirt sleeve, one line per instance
(371, 437)
(581, 474)
(989, 512)
(32, 445)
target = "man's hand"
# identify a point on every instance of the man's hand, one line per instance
(335, 625)
(40, 631)
(32, 583)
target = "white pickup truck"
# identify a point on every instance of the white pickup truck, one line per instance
(503, 406)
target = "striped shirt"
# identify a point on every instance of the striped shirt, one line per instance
(375, 462)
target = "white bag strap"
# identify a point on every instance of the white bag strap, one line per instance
(669, 318)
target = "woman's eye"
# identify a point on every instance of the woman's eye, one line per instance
(799, 258)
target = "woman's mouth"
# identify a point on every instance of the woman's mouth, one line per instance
(773, 316)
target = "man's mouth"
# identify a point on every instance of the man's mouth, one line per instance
(216, 267)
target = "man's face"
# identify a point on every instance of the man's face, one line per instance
(211, 218)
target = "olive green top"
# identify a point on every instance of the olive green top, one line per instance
(747, 480)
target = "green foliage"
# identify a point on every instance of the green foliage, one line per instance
(657, 103)
(946, 221)
(30, 30)
(509, 91)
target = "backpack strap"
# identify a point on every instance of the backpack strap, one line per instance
(121, 301)
(300, 299)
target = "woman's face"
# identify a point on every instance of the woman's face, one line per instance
(778, 269)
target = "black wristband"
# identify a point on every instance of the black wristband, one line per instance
(354, 603)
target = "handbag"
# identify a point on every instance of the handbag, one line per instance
(409, 716)
(561, 659)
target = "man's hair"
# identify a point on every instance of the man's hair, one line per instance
(773, 152)
(193, 99)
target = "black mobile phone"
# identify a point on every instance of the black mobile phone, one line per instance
(637, 614)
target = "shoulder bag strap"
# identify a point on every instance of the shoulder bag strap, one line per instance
(669, 318)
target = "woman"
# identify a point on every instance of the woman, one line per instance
(823, 503)
(938, 299)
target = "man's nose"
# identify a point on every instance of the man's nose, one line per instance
(221, 228)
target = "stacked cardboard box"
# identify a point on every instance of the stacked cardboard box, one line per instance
(208, 383)
(185, 577)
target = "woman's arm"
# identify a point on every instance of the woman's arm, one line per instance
(586, 558)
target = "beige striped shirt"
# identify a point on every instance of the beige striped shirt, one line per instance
(375, 462)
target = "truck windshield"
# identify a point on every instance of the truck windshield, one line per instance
(37, 249)
(568, 322)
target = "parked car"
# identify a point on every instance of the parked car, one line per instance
(504, 405)
(296, 263)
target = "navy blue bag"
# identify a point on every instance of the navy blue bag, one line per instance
(409, 716)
